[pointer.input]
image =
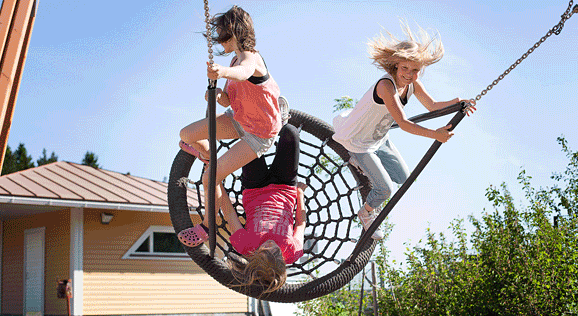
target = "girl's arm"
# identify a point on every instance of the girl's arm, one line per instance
(243, 71)
(386, 91)
(229, 211)
(430, 104)
(222, 97)
(300, 213)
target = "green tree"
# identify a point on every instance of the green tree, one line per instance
(44, 159)
(22, 159)
(9, 165)
(331, 161)
(16, 160)
(90, 159)
(345, 102)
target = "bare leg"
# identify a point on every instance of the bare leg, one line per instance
(229, 212)
(236, 157)
(240, 154)
(197, 134)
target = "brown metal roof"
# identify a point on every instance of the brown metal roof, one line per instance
(73, 182)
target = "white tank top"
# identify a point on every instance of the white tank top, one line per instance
(364, 128)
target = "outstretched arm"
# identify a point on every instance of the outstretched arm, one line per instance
(229, 211)
(431, 105)
(386, 91)
(242, 71)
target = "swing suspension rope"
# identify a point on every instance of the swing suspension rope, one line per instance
(212, 117)
(557, 29)
(208, 35)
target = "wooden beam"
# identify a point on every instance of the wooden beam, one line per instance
(16, 23)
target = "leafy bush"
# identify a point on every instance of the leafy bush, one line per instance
(519, 260)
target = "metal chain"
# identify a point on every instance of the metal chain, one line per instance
(208, 26)
(212, 83)
(555, 30)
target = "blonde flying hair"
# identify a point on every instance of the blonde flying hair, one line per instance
(387, 52)
(264, 267)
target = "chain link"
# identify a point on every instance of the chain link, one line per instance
(555, 30)
(212, 83)
(208, 34)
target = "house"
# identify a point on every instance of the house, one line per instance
(110, 233)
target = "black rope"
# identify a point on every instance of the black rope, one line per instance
(211, 98)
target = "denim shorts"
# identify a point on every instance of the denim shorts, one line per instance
(259, 145)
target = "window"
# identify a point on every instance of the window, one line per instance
(157, 243)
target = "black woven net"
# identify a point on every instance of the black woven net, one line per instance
(333, 196)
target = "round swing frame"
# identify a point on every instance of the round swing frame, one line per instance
(219, 269)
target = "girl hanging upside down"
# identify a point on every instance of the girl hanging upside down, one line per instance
(251, 92)
(275, 217)
(363, 129)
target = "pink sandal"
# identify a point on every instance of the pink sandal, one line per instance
(194, 236)
(192, 151)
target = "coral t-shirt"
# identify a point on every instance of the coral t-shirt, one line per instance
(269, 215)
(255, 104)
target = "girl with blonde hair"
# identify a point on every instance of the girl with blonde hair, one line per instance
(273, 234)
(363, 130)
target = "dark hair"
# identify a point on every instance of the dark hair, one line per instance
(235, 22)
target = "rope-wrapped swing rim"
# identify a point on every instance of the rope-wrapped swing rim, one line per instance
(216, 268)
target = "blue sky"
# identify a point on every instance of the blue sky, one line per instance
(121, 78)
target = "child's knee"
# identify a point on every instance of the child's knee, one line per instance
(289, 129)
(206, 177)
(289, 133)
(184, 134)
(382, 193)
(401, 177)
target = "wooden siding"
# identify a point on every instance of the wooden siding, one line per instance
(12, 267)
(158, 293)
(56, 260)
(57, 263)
(113, 285)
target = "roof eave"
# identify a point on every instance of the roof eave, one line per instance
(83, 204)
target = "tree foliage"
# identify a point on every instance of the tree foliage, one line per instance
(518, 260)
(344, 102)
(44, 159)
(17, 160)
(9, 164)
(90, 159)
